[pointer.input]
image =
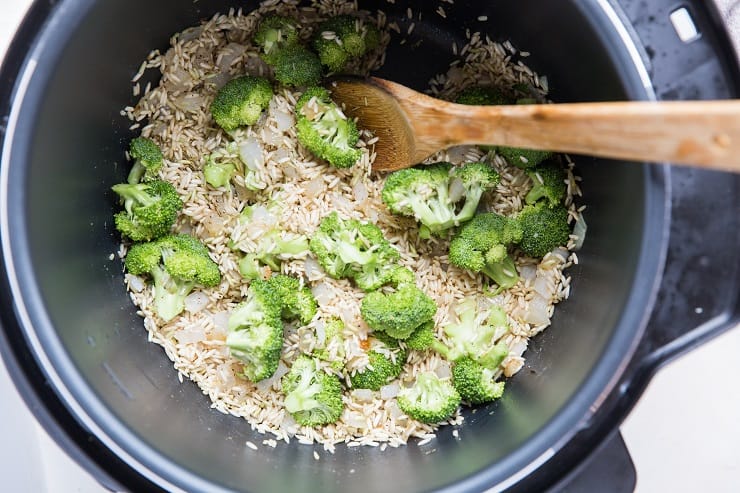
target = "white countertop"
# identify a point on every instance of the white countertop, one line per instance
(683, 435)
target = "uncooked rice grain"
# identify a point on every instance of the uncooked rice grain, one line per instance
(175, 113)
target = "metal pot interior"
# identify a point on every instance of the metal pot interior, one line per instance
(66, 150)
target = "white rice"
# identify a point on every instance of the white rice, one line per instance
(175, 113)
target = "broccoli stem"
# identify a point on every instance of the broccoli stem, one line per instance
(504, 273)
(471, 205)
(136, 173)
(169, 294)
(492, 358)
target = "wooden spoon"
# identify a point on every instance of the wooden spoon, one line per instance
(411, 126)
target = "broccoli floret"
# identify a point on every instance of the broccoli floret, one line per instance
(476, 383)
(347, 248)
(324, 129)
(424, 193)
(385, 363)
(481, 246)
(312, 396)
(272, 247)
(523, 158)
(150, 209)
(342, 38)
(297, 300)
(333, 329)
(430, 400)
(147, 158)
(481, 96)
(255, 331)
(240, 102)
(422, 337)
(176, 264)
(274, 34)
(297, 66)
(218, 174)
(398, 313)
(548, 183)
(543, 228)
(473, 334)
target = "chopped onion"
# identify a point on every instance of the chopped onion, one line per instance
(320, 332)
(219, 80)
(261, 214)
(313, 269)
(394, 410)
(227, 375)
(323, 293)
(443, 370)
(340, 202)
(363, 395)
(283, 120)
(136, 283)
(190, 34)
(221, 322)
(315, 187)
(190, 334)
(190, 102)
(579, 230)
(355, 420)
(359, 190)
(536, 312)
(562, 253)
(195, 302)
(228, 54)
(543, 287)
(251, 154)
(389, 391)
(528, 272)
(457, 190)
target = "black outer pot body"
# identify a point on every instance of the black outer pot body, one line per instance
(68, 321)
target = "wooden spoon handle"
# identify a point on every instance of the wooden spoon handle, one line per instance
(704, 133)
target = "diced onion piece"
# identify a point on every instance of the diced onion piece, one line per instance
(528, 272)
(195, 302)
(355, 420)
(389, 391)
(323, 293)
(189, 102)
(536, 311)
(579, 230)
(283, 120)
(313, 269)
(320, 332)
(543, 286)
(261, 214)
(229, 53)
(221, 322)
(251, 154)
(190, 334)
(363, 395)
(443, 370)
(359, 190)
(136, 283)
(457, 190)
(315, 187)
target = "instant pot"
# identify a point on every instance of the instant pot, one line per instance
(657, 274)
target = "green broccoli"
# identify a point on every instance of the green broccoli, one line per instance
(523, 158)
(476, 383)
(473, 335)
(385, 363)
(425, 193)
(343, 38)
(274, 34)
(176, 264)
(218, 173)
(297, 66)
(481, 246)
(348, 248)
(543, 228)
(255, 331)
(240, 102)
(333, 328)
(430, 400)
(312, 396)
(399, 313)
(150, 209)
(147, 158)
(548, 183)
(324, 129)
(481, 96)
(422, 337)
(297, 300)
